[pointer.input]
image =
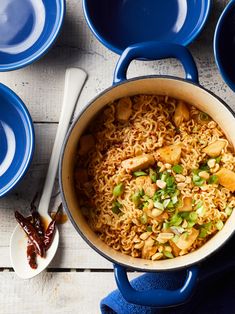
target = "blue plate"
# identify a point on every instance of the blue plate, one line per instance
(16, 139)
(121, 23)
(224, 45)
(27, 29)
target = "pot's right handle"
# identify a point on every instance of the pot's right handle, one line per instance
(153, 50)
(156, 297)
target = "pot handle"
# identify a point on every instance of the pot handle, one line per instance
(156, 297)
(153, 50)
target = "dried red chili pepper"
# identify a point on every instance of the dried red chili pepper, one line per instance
(37, 222)
(32, 234)
(50, 232)
(31, 255)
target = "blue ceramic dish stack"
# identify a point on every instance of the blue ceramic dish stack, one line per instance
(25, 36)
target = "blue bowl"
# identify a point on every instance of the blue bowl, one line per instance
(224, 44)
(120, 23)
(28, 28)
(16, 139)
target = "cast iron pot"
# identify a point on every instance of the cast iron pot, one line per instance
(187, 89)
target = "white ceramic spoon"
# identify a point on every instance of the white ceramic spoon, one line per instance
(74, 81)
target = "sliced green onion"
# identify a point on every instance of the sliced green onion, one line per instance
(170, 181)
(170, 205)
(199, 204)
(218, 159)
(166, 203)
(213, 179)
(177, 169)
(193, 216)
(136, 198)
(203, 233)
(175, 220)
(141, 192)
(158, 205)
(165, 225)
(203, 116)
(164, 176)
(139, 173)
(201, 211)
(118, 190)
(198, 180)
(176, 238)
(116, 207)
(219, 225)
(174, 199)
(144, 219)
(146, 197)
(204, 167)
(149, 229)
(168, 254)
(191, 224)
(228, 211)
(153, 175)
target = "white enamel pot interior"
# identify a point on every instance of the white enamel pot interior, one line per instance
(172, 87)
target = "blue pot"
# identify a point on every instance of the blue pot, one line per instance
(224, 44)
(190, 91)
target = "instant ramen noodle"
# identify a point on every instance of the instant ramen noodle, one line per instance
(155, 177)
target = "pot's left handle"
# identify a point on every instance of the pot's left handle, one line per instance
(156, 297)
(155, 51)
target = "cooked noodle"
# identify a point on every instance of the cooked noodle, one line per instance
(122, 206)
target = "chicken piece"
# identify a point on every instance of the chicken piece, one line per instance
(148, 249)
(86, 143)
(81, 176)
(170, 154)
(138, 162)
(186, 239)
(226, 178)
(175, 248)
(214, 149)
(146, 184)
(124, 109)
(187, 204)
(181, 113)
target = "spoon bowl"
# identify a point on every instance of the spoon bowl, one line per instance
(74, 81)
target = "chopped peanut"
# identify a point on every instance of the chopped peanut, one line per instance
(138, 162)
(204, 175)
(124, 109)
(161, 184)
(214, 149)
(181, 113)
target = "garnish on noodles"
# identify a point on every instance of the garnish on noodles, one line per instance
(155, 177)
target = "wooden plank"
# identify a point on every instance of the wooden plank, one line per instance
(55, 292)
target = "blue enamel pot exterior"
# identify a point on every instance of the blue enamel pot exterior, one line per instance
(28, 29)
(187, 89)
(119, 24)
(224, 44)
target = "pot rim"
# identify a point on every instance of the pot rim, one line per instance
(135, 268)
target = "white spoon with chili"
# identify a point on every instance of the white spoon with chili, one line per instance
(74, 81)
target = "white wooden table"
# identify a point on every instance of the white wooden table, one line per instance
(78, 278)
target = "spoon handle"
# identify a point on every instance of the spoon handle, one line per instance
(74, 81)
